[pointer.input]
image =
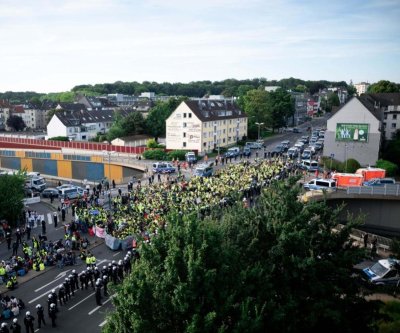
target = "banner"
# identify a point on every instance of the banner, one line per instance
(352, 132)
(99, 232)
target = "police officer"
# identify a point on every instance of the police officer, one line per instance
(40, 315)
(83, 280)
(4, 328)
(127, 265)
(50, 300)
(115, 274)
(71, 284)
(28, 321)
(96, 273)
(53, 314)
(15, 327)
(120, 270)
(75, 279)
(61, 294)
(90, 275)
(54, 296)
(98, 293)
(67, 289)
(104, 271)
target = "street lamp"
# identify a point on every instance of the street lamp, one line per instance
(109, 153)
(259, 125)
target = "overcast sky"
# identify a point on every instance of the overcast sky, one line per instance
(53, 45)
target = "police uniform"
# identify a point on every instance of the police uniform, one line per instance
(53, 314)
(40, 314)
(28, 321)
(61, 295)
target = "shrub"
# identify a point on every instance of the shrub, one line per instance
(351, 165)
(390, 167)
(59, 138)
(155, 154)
(152, 143)
(334, 165)
(176, 154)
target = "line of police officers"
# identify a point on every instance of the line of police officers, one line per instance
(97, 278)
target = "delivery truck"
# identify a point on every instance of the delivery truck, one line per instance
(369, 173)
(348, 179)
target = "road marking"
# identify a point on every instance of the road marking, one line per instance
(59, 276)
(37, 330)
(98, 307)
(103, 323)
(115, 254)
(81, 301)
(50, 218)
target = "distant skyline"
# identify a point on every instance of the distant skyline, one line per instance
(52, 46)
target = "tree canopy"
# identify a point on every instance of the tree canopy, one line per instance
(384, 86)
(276, 267)
(123, 126)
(16, 122)
(11, 196)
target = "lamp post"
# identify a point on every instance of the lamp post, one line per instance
(109, 153)
(259, 125)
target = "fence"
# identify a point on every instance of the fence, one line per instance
(82, 145)
(375, 190)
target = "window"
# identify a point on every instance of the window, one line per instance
(204, 134)
(205, 125)
(184, 115)
(184, 144)
(190, 115)
(384, 125)
(394, 116)
(385, 116)
(394, 125)
(184, 134)
(184, 124)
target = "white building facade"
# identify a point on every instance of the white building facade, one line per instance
(204, 125)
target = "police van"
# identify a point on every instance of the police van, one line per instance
(204, 170)
(70, 193)
(321, 184)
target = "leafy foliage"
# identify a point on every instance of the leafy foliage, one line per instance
(130, 125)
(277, 267)
(11, 196)
(391, 322)
(391, 152)
(59, 138)
(176, 154)
(155, 121)
(16, 122)
(391, 168)
(155, 154)
(152, 143)
(384, 86)
(351, 165)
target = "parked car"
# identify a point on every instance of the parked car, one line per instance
(246, 151)
(46, 192)
(307, 154)
(204, 170)
(161, 167)
(31, 193)
(232, 152)
(286, 143)
(379, 182)
(305, 139)
(309, 165)
(278, 150)
(254, 145)
(292, 152)
(318, 145)
(385, 272)
(63, 186)
(190, 157)
(296, 130)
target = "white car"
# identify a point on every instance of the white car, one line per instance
(63, 186)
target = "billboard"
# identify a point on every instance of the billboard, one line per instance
(352, 132)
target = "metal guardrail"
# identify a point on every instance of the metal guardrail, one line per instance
(393, 190)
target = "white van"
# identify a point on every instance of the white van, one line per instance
(71, 193)
(309, 165)
(321, 184)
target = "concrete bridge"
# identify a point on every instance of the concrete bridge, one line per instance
(379, 208)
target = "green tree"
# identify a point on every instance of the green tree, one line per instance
(256, 106)
(384, 86)
(11, 196)
(155, 121)
(59, 138)
(133, 124)
(50, 115)
(391, 168)
(280, 266)
(16, 122)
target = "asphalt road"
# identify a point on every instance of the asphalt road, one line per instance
(80, 314)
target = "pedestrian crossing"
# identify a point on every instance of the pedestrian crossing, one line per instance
(46, 217)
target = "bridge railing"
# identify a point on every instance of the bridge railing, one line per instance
(393, 190)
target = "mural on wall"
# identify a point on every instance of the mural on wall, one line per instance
(352, 132)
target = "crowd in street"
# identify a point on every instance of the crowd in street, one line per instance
(92, 278)
(143, 210)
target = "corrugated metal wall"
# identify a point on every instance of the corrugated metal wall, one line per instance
(87, 170)
(11, 163)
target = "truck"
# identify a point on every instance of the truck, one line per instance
(348, 179)
(190, 157)
(36, 183)
(370, 173)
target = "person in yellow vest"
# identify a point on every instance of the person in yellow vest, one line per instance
(93, 260)
(88, 260)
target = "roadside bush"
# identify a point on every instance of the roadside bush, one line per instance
(155, 154)
(351, 165)
(59, 138)
(391, 168)
(152, 143)
(176, 154)
(336, 165)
